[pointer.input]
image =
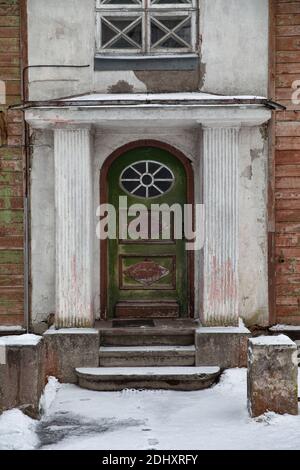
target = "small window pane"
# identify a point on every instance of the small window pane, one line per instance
(107, 33)
(171, 43)
(122, 44)
(120, 23)
(120, 2)
(156, 33)
(141, 192)
(153, 192)
(130, 186)
(171, 2)
(164, 173)
(121, 32)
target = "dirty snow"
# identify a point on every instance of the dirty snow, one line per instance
(216, 418)
(280, 327)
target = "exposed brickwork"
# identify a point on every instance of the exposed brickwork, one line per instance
(11, 169)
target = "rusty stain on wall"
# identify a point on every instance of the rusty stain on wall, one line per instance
(169, 80)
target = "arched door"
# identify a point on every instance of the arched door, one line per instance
(147, 264)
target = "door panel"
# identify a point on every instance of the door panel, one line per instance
(147, 277)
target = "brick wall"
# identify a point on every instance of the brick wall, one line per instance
(11, 169)
(287, 163)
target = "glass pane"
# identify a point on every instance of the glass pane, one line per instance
(170, 23)
(153, 192)
(121, 43)
(107, 33)
(141, 167)
(153, 167)
(185, 31)
(130, 186)
(141, 192)
(172, 2)
(120, 23)
(164, 173)
(171, 43)
(120, 2)
(164, 186)
(136, 33)
(130, 174)
(156, 33)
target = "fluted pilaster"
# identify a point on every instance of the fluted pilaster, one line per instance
(73, 199)
(220, 159)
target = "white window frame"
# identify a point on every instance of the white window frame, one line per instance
(147, 9)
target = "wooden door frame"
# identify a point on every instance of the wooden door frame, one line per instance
(104, 200)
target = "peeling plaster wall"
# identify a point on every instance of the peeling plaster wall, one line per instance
(233, 54)
(235, 46)
(253, 246)
(253, 216)
(42, 227)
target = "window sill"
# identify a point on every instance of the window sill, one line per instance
(142, 62)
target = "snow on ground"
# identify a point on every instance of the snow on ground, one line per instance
(17, 431)
(216, 418)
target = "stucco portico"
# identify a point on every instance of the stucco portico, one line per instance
(220, 129)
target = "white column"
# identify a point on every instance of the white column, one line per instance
(73, 201)
(220, 176)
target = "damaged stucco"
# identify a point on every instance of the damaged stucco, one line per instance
(253, 289)
(63, 33)
(232, 59)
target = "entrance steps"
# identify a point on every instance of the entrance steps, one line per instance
(148, 336)
(147, 356)
(156, 354)
(153, 378)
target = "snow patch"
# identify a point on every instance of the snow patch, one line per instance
(11, 328)
(49, 395)
(17, 431)
(71, 331)
(285, 328)
(272, 341)
(20, 340)
(148, 371)
(193, 96)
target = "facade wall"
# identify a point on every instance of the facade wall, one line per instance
(287, 159)
(253, 265)
(233, 37)
(11, 169)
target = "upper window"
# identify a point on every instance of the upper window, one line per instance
(146, 26)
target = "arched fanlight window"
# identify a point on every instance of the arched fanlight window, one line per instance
(147, 179)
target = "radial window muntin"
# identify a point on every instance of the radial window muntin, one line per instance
(147, 183)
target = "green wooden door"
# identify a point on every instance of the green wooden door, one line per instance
(147, 277)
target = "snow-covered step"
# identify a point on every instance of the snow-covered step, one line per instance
(141, 356)
(147, 336)
(167, 378)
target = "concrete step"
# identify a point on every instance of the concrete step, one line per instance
(153, 378)
(147, 356)
(147, 336)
